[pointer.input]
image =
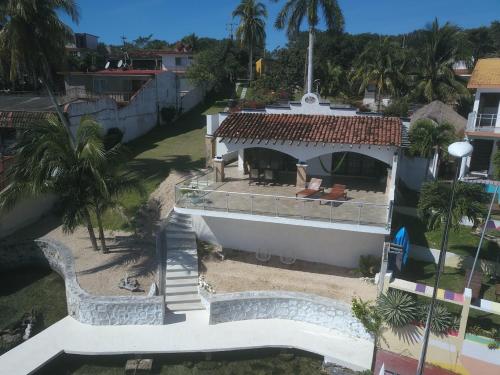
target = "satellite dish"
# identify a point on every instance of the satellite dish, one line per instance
(107, 65)
(120, 63)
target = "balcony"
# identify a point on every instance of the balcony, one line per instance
(366, 204)
(483, 122)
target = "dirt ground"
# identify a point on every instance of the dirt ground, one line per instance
(100, 273)
(241, 271)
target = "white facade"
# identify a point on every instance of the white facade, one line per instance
(176, 61)
(324, 245)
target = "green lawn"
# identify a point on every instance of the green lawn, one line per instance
(453, 279)
(461, 242)
(26, 288)
(179, 146)
(216, 107)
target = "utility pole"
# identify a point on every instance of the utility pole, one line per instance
(230, 29)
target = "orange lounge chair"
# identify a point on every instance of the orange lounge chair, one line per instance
(336, 192)
(313, 187)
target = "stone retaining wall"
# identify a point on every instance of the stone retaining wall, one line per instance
(302, 307)
(84, 307)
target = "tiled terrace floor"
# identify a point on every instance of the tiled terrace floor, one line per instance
(366, 200)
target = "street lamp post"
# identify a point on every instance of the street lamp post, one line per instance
(459, 150)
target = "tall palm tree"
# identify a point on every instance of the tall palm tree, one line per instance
(46, 162)
(34, 37)
(251, 30)
(382, 64)
(428, 138)
(438, 50)
(293, 13)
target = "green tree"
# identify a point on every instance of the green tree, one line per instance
(33, 39)
(437, 52)
(383, 65)
(428, 138)
(293, 13)
(251, 29)
(469, 202)
(46, 162)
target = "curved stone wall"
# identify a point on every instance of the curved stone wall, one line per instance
(84, 307)
(302, 307)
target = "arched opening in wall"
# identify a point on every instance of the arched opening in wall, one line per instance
(270, 164)
(358, 172)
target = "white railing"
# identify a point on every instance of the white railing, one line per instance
(485, 122)
(199, 193)
(81, 93)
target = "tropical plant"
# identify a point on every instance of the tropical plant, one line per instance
(368, 315)
(496, 165)
(33, 40)
(469, 202)
(397, 308)
(381, 64)
(438, 51)
(47, 162)
(369, 265)
(293, 13)
(442, 320)
(251, 30)
(428, 138)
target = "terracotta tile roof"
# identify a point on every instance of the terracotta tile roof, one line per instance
(10, 119)
(373, 130)
(486, 74)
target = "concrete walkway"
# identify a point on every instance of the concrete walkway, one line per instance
(189, 332)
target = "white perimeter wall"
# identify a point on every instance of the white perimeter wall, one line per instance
(331, 246)
(24, 213)
(135, 119)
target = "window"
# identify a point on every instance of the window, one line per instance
(178, 61)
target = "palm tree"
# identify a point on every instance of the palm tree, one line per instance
(46, 162)
(428, 138)
(438, 50)
(34, 37)
(293, 13)
(470, 200)
(381, 63)
(251, 30)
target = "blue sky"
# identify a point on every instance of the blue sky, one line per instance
(170, 20)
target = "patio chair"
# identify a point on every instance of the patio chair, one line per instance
(313, 187)
(269, 176)
(253, 176)
(336, 192)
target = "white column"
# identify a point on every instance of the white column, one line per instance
(241, 160)
(477, 99)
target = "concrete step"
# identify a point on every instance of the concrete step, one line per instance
(182, 281)
(182, 274)
(181, 266)
(173, 243)
(179, 227)
(181, 290)
(184, 219)
(182, 298)
(181, 235)
(184, 255)
(185, 306)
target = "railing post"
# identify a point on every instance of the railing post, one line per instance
(227, 202)
(331, 211)
(276, 206)
(303, 209)
(251, 204)
(360, 205)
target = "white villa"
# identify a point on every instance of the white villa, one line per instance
(483, 126)
(262, 159)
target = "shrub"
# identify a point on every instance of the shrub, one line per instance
(168, 114)
(397, 308)
(369, 265)
(367, 315)
(442, 319)
(397, 108)
(112, 138)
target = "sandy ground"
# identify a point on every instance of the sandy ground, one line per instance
(100, 273)
(241, 271)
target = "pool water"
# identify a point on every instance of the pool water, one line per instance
(251, 362)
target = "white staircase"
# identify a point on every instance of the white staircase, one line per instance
(181, 276)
